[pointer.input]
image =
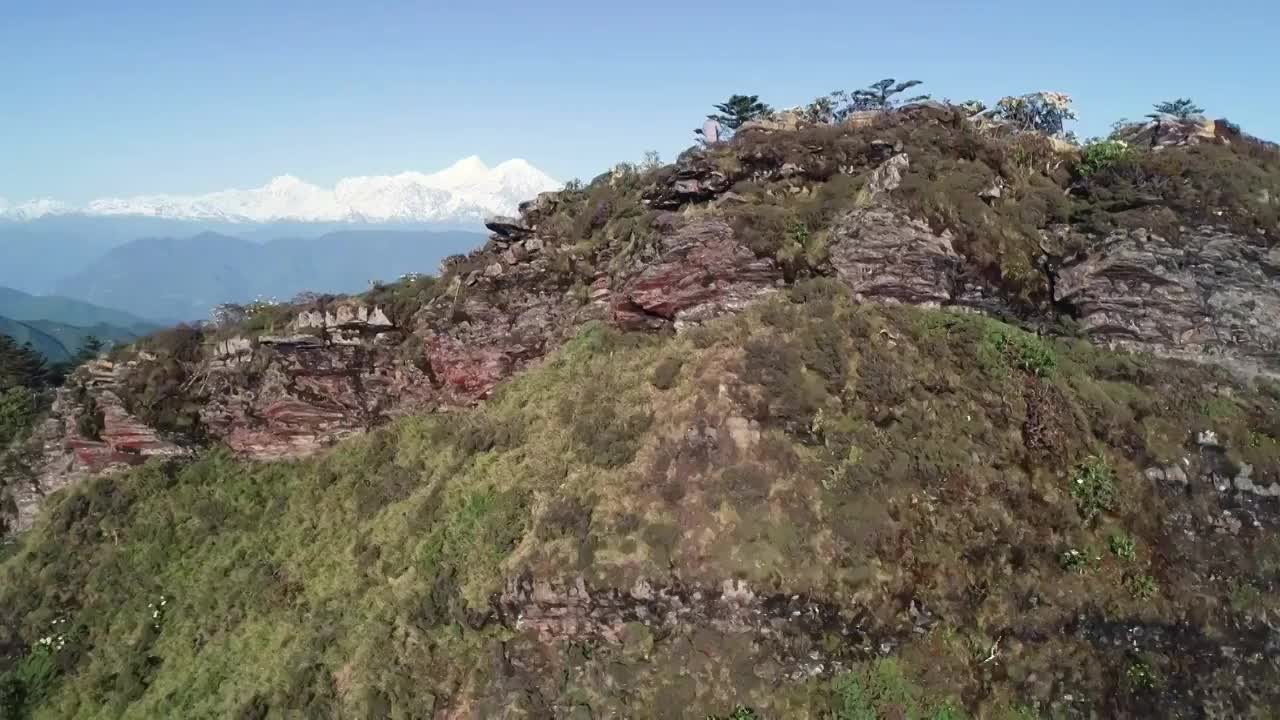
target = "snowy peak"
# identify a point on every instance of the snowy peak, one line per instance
(466, 191)
(33, 209)
(466, 171)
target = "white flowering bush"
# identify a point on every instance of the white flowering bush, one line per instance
(1046, 111)
(226, 315)
(157, 610)
(261, 304)
(31, 678)
(56, 640)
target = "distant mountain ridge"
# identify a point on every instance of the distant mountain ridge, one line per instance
(466, 191)
(24, 334)
(28, 308)
(57, 326)
(36, 255)
(181, 279)
(59, 342)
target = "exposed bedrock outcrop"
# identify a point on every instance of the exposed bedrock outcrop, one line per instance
(89, 431)
(1211, 296)
(703, 271)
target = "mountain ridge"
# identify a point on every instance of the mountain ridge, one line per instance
(24, 333)
(180, 279)
(29, 307)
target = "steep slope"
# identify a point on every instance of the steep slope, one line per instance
(181, 279)
(721, 467)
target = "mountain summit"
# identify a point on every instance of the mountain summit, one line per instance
(466, 191)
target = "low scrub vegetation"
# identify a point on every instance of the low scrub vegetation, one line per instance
(879, 460)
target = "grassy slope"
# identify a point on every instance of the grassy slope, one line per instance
(895, 462)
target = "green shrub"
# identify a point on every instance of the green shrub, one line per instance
(604, 433)
(1093, 486)
(1101, 155)
(881, 690)
(1140, 676)
(90, 421)
(402, 299)
(1075, 560)
(13, 698)
(478, 530)
(666, 373)
(1232, 185)
(1122, 545)
(1025, 351)
(794, 394)
(1031, 353)
(18, 408)
(1244, 596)
(740, 712)
(1219, 408)
(24, 686)
(181, 342)
(1142, 586)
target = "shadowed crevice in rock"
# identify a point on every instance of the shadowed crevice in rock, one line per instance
(808, 635)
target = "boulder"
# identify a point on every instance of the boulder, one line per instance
(541, 206)
(507, 228)
(888, 176)
(781, 121)
(696, 179)
(1168, 130)
(862, 118)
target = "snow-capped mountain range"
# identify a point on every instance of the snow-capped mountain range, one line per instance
(466, 191)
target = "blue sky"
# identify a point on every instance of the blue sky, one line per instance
(147, 96)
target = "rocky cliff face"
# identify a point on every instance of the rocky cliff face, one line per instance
(88, 432)
(663, 250)
(1213, 296)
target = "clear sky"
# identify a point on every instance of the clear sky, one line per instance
(144, 96)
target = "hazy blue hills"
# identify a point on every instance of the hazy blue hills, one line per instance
(56, 326)
(180, 279)
(40, 341)
(28, 308)
(37, 255)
